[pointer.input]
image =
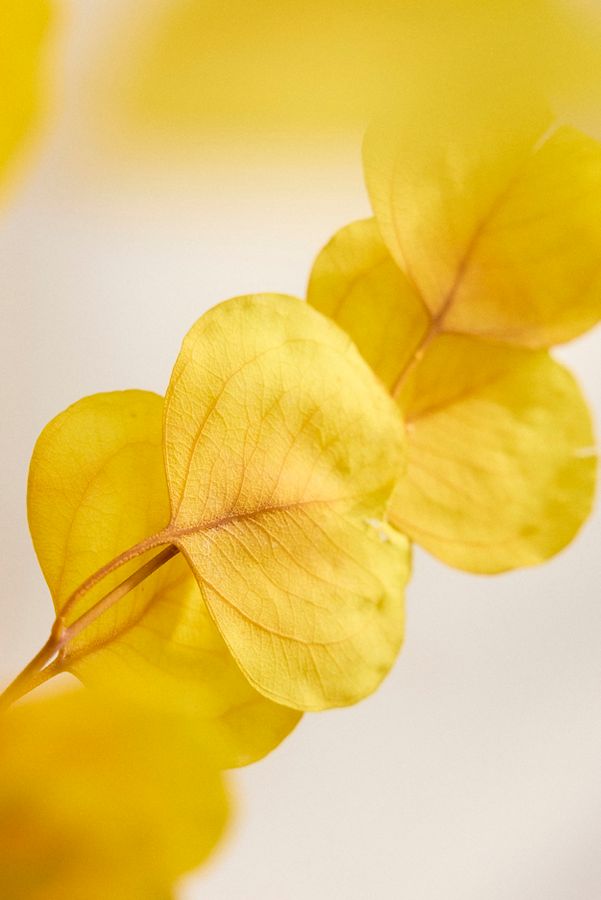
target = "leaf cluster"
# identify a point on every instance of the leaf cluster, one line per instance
(236, 553)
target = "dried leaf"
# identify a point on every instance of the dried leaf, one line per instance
(96, 487)
(281, 453)
(492, 212)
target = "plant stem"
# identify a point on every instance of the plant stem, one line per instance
(95, 611)
(29, 678)
(44, 665)
(131, 553)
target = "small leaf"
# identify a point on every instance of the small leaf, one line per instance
(102, 800)
(493, 214)
(501, 468)
(356, 282)
(280, 448)
(96, 487)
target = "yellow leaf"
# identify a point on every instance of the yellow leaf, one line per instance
(96, 487)
(501, 466)
(23, 27)
(492, 213)
(100, 800)
(281, 453)
(356, 282)
(277, 69)
(500, 463)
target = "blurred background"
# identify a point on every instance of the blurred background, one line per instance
(187, 152)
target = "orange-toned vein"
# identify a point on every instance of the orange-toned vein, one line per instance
(176, 533)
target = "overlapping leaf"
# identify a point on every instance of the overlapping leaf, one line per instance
(102, 801)
(281, 452)
(494, 230)
(501, 468)
(492, 213)
(96, 487)
(357, 283)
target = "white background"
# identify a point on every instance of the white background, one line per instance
(474, 772)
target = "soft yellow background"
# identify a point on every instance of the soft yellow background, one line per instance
(474, 772)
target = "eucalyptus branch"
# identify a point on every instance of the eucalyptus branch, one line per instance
(48, 661)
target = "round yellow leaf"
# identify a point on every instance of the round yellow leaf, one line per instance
(501, 461)
(282, 450)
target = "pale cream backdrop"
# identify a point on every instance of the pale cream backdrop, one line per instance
(474, 772)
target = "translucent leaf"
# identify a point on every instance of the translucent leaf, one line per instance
(96, 487)
(501, 468)
(23, 27)
(99, 801)
(281, 452)
(356, 282)
(492, 214)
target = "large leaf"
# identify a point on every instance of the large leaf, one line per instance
(281, 452)
(501, 466)
(96, 487)
(102, 801)
(23, 27)
(492, 214)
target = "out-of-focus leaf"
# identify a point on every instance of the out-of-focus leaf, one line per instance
(96, 487)
(501, 465)
(23, 27)
(492, 214)
(99, 801)
(180, 67)
(282, 451)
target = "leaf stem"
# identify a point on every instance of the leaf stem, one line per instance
(155, 540)
(132, 581)
(48, 661)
